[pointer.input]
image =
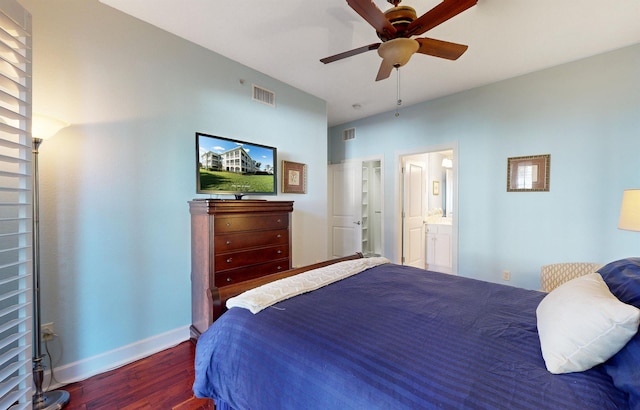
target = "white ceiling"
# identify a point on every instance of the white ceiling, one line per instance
(285, 39)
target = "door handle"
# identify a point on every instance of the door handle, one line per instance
(357, 223)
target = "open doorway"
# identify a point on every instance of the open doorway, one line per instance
(428, 209)
(372, 208)
(356, 208)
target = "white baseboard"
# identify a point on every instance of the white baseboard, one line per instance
(83, 369)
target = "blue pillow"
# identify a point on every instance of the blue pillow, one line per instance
(624, 369)
(623, 279)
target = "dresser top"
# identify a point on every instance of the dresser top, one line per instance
(217, 206)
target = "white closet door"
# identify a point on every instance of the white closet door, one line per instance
(345, 181)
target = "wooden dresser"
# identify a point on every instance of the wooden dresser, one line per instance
(233, 241)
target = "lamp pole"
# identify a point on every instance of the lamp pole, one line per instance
(59, 398)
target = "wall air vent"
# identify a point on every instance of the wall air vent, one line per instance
(348, 134)
(264, 96)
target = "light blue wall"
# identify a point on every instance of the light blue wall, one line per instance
(586, 114)
(115, 183)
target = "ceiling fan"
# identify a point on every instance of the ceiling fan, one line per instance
(396, 26)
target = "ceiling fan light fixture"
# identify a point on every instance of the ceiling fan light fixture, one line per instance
(398, 51)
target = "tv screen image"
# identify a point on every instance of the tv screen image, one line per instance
(234, 167)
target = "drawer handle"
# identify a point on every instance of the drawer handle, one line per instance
(279, 220)
(279, 251)
(228, 242)
(279, 236)
(279, 268)
(229, 260)
(228, 279)
(228, 223)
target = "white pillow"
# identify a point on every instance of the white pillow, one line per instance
(581, 324)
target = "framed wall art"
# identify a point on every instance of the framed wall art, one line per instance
(528, 174)
(294, 177)
(435, 190)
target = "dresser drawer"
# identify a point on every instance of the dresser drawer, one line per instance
(250, 223)
(249, 272)
(232, 260)
(230, 242)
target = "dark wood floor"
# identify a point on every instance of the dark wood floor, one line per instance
(161, 381)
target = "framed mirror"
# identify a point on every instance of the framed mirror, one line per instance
(528, 174)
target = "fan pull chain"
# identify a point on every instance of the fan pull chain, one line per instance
(399, 100)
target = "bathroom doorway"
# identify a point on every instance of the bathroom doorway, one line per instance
(428, 209)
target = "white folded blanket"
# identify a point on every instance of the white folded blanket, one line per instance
(266, 295)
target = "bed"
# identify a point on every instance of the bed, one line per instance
(397, 337)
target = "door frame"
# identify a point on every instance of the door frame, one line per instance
(382, 198)
(399, 192)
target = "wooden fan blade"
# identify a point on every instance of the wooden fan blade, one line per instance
(442, 49)
(385, 70)
(438, 15)
(350, 53)
(372, 14)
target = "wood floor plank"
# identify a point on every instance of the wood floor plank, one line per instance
(161, 381)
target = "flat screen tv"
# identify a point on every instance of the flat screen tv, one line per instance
(234, 167)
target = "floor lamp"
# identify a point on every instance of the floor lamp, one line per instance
(56, 399)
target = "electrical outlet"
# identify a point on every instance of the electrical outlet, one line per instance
(506, 275)
(47, 331)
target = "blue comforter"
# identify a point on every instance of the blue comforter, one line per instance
(392, 337)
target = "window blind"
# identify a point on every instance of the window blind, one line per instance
(15, 207)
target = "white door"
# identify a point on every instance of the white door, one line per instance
(345, 181)
(413, 213)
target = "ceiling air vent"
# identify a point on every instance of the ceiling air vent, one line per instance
(264, 96)
(348, 134)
